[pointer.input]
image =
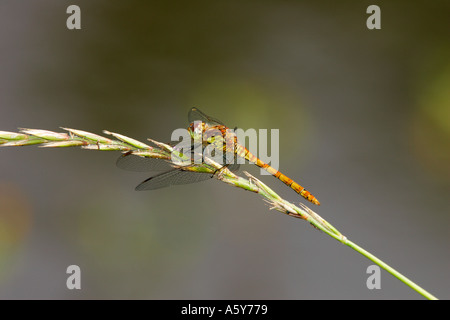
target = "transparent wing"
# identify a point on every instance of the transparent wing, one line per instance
(135, 163)
(196, 115)
(230, 161)
(173, 177)
(131, 162)
(234, 167)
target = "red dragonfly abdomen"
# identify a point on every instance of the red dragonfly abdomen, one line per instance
(245, 153)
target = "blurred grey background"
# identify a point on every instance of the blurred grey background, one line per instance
(364, 119)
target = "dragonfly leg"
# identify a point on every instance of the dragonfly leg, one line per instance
(220, 171)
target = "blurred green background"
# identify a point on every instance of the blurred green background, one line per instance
(364, 119)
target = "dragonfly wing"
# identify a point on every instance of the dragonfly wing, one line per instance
(196, 115)
(132, 162)
(230, 160)
(234, 167)
(172, 177)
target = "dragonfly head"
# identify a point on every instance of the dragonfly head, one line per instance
(196, 128)
(211, 134)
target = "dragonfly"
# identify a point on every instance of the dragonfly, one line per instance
(211, 132)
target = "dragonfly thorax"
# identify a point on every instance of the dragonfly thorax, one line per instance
(196, 129)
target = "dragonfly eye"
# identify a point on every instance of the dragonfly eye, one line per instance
(196, 127)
